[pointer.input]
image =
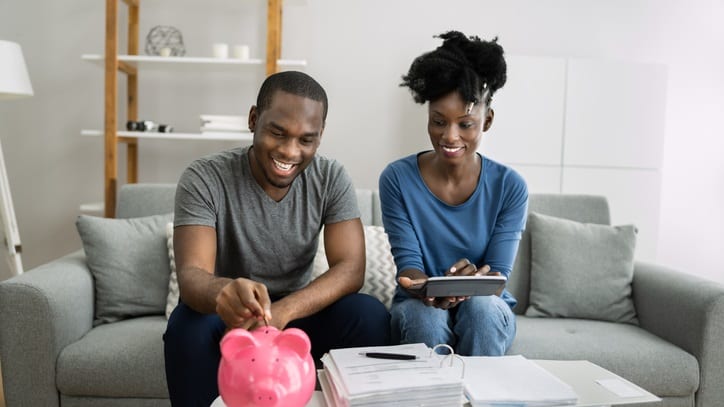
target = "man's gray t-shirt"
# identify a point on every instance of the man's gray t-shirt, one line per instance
(256, 237)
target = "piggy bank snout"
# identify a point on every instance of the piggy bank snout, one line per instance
(266, 394)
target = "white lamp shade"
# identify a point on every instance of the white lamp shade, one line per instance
(14, 79)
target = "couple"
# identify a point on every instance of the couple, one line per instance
(247, 220)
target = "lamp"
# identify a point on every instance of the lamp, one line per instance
(14, 83)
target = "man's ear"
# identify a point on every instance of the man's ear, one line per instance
(253, 115)
(489, 115)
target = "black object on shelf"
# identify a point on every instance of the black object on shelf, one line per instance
(148, 125)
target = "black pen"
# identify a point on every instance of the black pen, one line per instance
(383, 355)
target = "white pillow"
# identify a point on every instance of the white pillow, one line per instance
(172, 298)
(380, 269)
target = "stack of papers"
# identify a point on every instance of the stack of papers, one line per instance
(351, 379)
(513, 380)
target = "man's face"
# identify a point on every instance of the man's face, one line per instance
(286, 137)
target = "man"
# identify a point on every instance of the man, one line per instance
(246, 226)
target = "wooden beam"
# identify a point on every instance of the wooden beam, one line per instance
(132, 3)
(127, 68)
(273, 35)
(110, 120)
(132, 161)
(132, 92)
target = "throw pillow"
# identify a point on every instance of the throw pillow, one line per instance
(128, 261)
(581, 270)
(172, 298)
(380, 267)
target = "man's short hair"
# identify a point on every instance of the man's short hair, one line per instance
(294, 82)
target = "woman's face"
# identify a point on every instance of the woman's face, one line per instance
(454, 131)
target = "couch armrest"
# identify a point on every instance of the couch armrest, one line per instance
(687, 311)
(41, 312)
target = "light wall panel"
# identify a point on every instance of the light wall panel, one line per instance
(633, 198)
(615, 114)
(540, 179)
(529, 112)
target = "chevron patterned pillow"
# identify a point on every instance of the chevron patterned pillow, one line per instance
(380, 268)
(172, 298)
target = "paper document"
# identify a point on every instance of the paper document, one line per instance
(506, 380)
(351, 378)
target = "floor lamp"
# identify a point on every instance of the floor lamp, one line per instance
(14, 83)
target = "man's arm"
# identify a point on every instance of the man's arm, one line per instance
(345, 247)
(236, 301)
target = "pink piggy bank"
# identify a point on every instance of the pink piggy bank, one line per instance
(266, 368)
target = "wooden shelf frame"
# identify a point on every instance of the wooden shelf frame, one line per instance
(126, 136)
(115, 64)
(132, 62)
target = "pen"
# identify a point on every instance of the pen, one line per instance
(383, 355)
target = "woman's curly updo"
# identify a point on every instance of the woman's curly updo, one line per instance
(469, 65)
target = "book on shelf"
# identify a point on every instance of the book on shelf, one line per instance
(217, 118)
(215, 127)
(220, 123)
(351, 378)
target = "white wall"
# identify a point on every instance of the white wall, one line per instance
(358, 50)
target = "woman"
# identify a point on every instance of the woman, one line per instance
(450, 210)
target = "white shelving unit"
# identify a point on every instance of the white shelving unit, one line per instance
(216, 136)
(146, 61)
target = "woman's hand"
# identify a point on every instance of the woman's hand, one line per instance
(244, 303)
(496, 273)
(464, 267)
(412, 281)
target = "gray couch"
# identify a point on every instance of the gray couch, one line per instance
(51, 354)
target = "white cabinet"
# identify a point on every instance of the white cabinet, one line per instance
(586, 126)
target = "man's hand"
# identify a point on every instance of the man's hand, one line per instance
(244, 303)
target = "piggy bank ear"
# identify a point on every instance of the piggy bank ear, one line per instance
(235, 341)
(294, 339)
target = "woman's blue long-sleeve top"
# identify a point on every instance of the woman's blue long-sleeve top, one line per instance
(427, 234)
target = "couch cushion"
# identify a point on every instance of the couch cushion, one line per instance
(137, 200)
(581, 270)
(380, 269)
(129, 263)
(123, 359)
(625, 349)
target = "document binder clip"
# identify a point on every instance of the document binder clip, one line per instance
(450, 355)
